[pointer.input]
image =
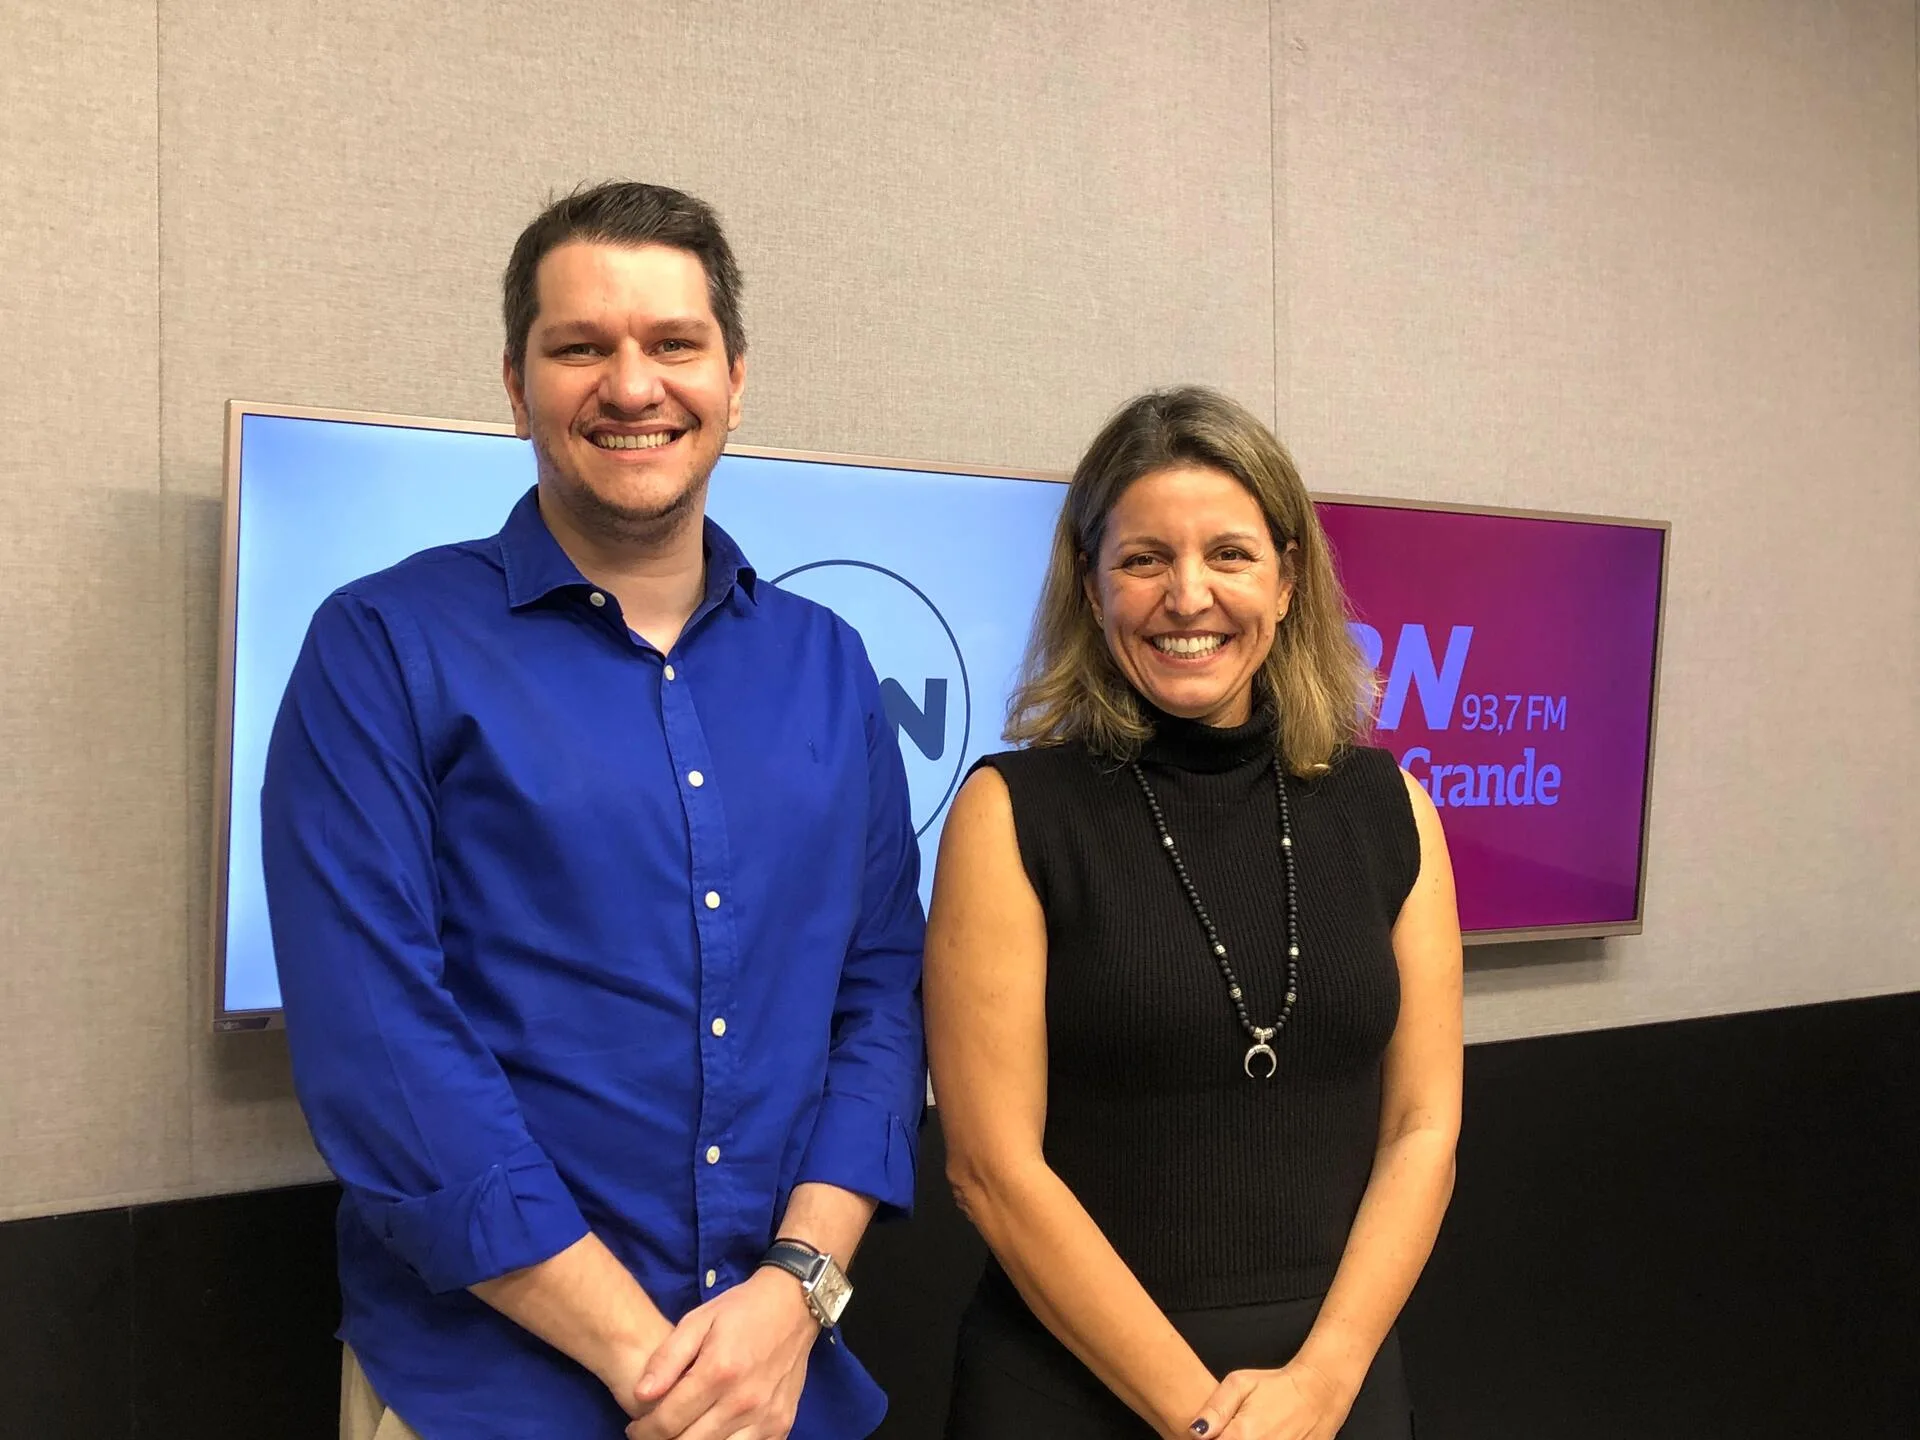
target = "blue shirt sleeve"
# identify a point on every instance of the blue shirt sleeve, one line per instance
(408, 1107)
(866, 1136)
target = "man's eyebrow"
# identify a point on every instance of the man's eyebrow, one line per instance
(663, 325)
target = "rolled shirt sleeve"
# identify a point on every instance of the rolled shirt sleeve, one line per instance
(866, 1136)
(409, 1108)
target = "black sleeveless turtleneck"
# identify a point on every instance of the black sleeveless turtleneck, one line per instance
(1214, 1188)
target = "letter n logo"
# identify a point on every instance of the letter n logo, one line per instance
(926, 723)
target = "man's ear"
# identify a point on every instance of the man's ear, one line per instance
(736, 385)
(516, 394)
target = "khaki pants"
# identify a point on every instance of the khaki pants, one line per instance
(363, 1415)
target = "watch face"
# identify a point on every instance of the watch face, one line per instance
(829, 1293)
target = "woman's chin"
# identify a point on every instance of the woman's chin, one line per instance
(1196, 702)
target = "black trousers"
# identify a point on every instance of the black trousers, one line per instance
(1011, 1377)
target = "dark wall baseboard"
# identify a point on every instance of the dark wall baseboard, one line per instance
(1693, 1230)
(1683, 1231)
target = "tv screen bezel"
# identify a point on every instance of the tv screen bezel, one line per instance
(238, 411)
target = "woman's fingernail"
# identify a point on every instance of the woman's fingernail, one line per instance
(1199, 1427)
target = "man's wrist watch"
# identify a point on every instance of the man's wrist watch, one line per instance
(823, 1282)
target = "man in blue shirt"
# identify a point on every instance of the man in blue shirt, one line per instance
(594, 895)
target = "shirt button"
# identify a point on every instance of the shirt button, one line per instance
(696, 779)
(712, 1279)
(669, 672)
(713, 899)
(719, 1025)
(713, 1154)
(598, 599)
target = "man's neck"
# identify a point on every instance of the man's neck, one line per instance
(659, 579)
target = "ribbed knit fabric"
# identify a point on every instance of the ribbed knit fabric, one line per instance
(1214, 1188)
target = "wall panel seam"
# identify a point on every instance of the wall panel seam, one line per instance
(174, 522)
(127, 1242)
(1276, 208)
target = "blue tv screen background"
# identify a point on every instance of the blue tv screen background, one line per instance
(939, 573)
(1544, 619)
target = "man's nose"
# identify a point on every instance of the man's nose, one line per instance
(631, 381)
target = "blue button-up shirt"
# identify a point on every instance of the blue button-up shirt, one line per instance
(573, 935)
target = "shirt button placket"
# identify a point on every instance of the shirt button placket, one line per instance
(690, 761)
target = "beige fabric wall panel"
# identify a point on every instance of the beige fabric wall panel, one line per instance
(1647, 259)
(968, 232)
(1651, 259)
(93, 1077)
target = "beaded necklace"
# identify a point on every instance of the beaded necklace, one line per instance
(1262, 1034)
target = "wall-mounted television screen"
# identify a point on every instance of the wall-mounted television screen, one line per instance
(1518, 653)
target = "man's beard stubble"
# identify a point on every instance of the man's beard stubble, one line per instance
(625, 524)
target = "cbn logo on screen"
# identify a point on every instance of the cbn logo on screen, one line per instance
(923, 675)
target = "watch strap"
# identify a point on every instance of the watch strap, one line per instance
(814, 1270)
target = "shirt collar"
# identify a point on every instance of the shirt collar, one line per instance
(536, 566)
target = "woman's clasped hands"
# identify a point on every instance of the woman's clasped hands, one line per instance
(1295, 1402)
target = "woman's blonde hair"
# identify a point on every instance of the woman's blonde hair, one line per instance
(1070, 687)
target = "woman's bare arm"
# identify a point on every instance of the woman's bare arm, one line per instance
(985, 979)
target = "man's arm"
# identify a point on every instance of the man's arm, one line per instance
(830, 1219)
(866, 1137)
(405, 1101)
(585, 1304)
(741, 1358)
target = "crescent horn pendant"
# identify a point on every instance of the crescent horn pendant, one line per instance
(1263, 1051)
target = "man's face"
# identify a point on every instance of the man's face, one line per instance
(626, 393)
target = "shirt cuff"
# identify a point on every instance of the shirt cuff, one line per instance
(861, 1146)
(516, 1214)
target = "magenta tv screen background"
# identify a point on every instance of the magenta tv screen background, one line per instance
(1516, 657)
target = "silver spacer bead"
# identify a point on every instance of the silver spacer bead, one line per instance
(1219, 949)
(1234, 992)
(1286, 842)
(1293, 951)
(1291, 997)
(1167, 840)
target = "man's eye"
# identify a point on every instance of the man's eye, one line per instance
(579, 348)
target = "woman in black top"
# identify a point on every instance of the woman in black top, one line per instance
(1193, 976)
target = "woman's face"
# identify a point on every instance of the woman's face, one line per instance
(1188, 590)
